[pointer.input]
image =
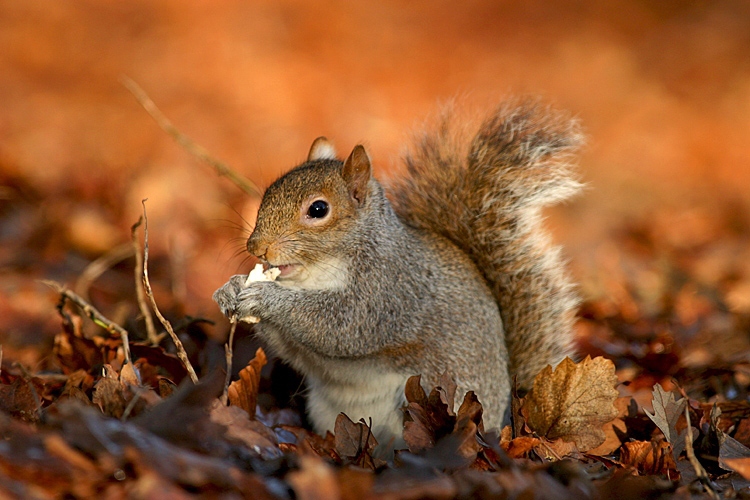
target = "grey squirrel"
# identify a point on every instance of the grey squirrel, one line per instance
(449, 268)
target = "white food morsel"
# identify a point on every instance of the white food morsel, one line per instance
(258, 274)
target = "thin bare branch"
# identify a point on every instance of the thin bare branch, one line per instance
(229, 353)
(699, 470)
(167, 325)
(140, 294)
(93, 314)
(186, 142)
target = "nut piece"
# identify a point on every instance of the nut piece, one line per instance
(257, 274)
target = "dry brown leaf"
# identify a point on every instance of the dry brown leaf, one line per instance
(468, 423)
(109, 394)
(428, 418)
(555, 450)
(251, 433)
(613, 430)
(573, 401)
(649, 458)
(355, 483)
(354, 441)
(730, 452)
(667, 412)
(740, 466)
(520, 446)
(244, 392)
(129, 375)
(19, 399)
(314, 480)
(74, 352)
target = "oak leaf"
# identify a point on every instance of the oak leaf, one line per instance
(244, 392)
(667, 412)
(573, 401)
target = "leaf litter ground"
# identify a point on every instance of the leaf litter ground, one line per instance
(658, 408)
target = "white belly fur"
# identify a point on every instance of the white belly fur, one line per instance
(379, 396)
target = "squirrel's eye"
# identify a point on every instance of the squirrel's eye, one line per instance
(318, 209)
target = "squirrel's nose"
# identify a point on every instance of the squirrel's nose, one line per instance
(256, 248)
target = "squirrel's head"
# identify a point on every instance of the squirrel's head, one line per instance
(307, 216)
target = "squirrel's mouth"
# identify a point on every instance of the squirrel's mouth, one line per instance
(287, 270)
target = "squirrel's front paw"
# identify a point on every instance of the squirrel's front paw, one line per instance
(251, 301)
(227, 297)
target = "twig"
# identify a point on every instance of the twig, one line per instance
(99, 267)
(93, 314)
(228, 352)
(153, 337)
(699, 470)
(167, 325)
(131, 404)
(222, 169)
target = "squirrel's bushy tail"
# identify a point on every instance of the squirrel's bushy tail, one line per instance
(486, 196)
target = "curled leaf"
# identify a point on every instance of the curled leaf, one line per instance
(244, 392)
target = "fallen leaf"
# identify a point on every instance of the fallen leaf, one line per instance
(447, 389)
(109, 393)
(314, 480)
(309, 443)
(667, 412)
(742, 434)
(251, 433)
(614, 430)
(244, 392)
(555, 450)
(520, 447)
(184, 417)
(649, 458)
(732, 453)
(468, 424)
(427, 418)
(623, 485)
(20, 400)
(129, 374)
(157, 356)
(573, 401)
(75, 352)
(354, 441)
(739, 465)
(355, 483)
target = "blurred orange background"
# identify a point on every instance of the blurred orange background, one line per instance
(661, 87)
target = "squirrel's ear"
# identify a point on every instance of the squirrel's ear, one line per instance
(356, 173)
(321, 149)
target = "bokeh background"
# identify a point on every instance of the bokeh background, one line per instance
(662, 88)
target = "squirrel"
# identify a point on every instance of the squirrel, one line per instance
(447, 268)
